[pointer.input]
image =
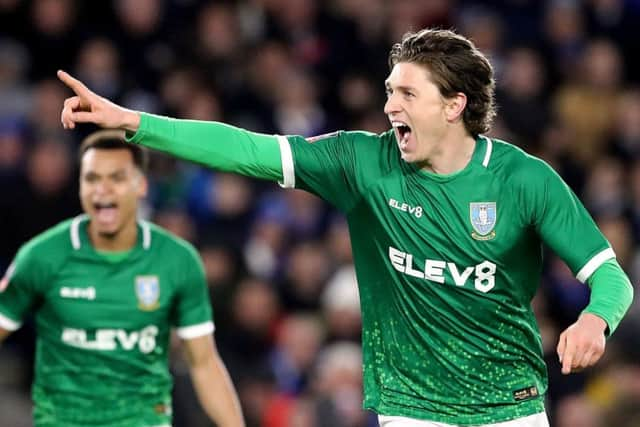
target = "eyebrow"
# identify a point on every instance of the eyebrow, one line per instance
(387, 85)
(108, 175)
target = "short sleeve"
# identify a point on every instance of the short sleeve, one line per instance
(19, 288)
(563, 223)
(192, 309)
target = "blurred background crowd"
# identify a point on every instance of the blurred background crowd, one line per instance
(279, 263)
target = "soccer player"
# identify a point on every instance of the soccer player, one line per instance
(106, 289)
(446, 226)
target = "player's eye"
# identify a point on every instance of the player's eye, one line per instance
(118, 177)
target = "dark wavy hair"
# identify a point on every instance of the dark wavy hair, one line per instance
(114, 139)
(455, 65)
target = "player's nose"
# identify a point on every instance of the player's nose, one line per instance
(391, 105)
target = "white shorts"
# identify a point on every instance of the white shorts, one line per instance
(535, 420)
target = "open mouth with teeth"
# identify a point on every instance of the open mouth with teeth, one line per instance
(105, 212)
(403, 133)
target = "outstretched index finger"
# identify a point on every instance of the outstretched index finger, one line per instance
(76, 85)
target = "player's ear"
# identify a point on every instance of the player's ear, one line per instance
(454, 106)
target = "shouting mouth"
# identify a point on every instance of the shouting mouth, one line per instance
(403, 134)
(105, 212)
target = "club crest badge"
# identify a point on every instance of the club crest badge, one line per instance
(483, 220)
(147, 292)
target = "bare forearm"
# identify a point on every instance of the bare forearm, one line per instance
(216, 393)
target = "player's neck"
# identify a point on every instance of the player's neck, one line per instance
(453, 153)
(123, 240)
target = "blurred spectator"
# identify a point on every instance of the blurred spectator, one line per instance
(98, 64)
(589, 105)
(14, 93)
(625, 141)
(139, 34)
(618, 232)
(297, 111)
(604, 193)
(520, 94)
(247, 338)
(298, 340)
(220, 204)
(177, 222)
(12, 146)
(41, 197)
(305, 275)
(219, 46)
(339, 242)
(341, 306)
(484, 27)
(53, 37)
(44, 116)
(338, 386)
(577, 411)
(564, 36)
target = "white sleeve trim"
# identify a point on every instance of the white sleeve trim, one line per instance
(286, 156)
(195, 331)
(487, 154)
(75, 230)
(146, 235)
(593, 264)
(8, 324)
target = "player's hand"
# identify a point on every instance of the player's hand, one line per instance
(582, 344)
(88, 107)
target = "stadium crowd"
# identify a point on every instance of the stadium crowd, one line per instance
(278, 263)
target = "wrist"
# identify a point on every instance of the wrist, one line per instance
(594, 320)
(130, 120)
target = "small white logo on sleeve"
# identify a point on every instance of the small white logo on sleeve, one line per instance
(78, 293)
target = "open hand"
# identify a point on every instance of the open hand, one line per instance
(88, 107)
(582, 344)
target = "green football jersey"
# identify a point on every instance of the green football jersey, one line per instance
(447, 266)
(103, 324)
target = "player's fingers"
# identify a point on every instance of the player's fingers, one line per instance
(72, 102)
(69, 105)
(568, 356)
(83, 117)
(595, 356)
(76, 85)
(562, 344)
(583, 360)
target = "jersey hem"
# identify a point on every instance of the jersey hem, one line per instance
(195, 331)
(531, 407)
